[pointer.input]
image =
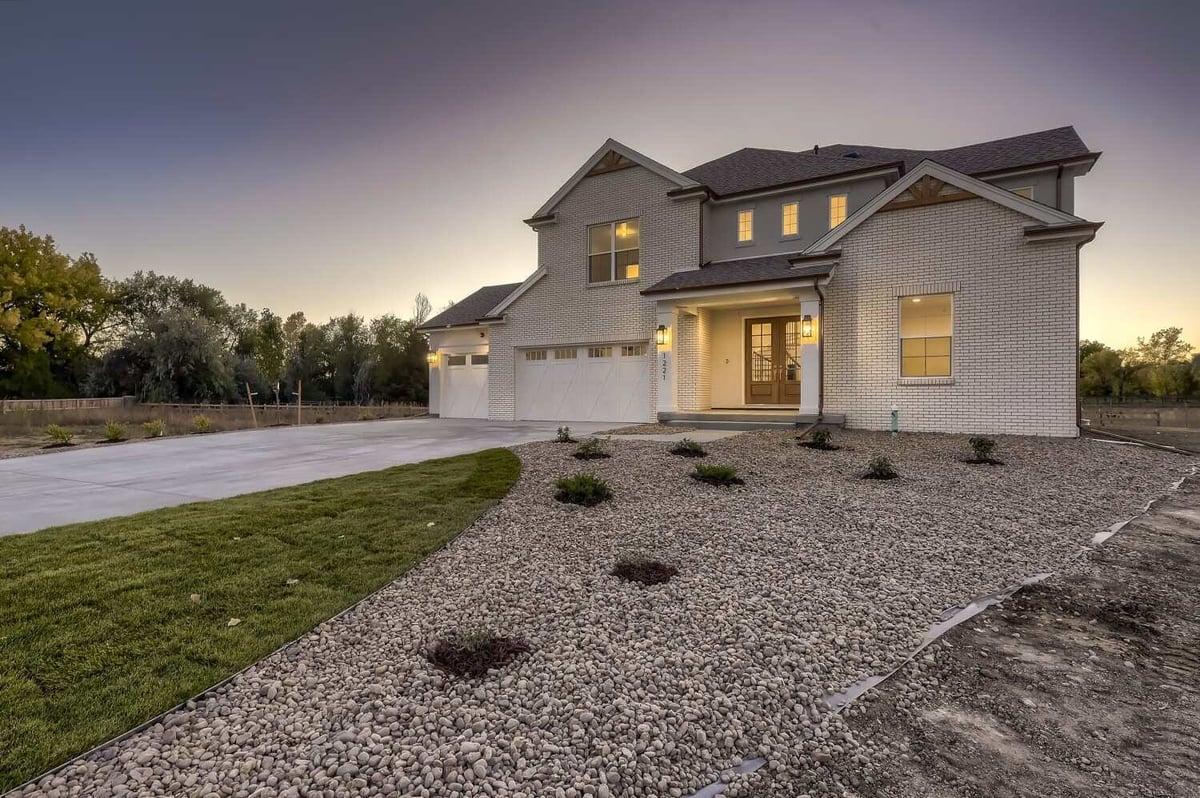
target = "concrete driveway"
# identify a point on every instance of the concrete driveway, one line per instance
(105, 481)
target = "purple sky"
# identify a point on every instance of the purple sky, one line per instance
(334, 156)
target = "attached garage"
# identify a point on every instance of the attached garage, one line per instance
(464, 386)
(606, 382)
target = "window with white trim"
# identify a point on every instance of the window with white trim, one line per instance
(633, 350)
(599, 351)
(926, 335)
(745, 225)
(790, 223)
(566, 354)
(614, 251)
(837, 210)
(535, 354)
(479, 360)
(456, 360)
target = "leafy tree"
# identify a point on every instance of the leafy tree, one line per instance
(1169, 379)
(1088, 347)
(1165, 346)
(400, 372)
(349, 347)
(184, 359)
(421, 310)
(270, 354)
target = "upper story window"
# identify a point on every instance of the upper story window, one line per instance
(614, 251)
(926, 334)
(745, 230)
(837, 210)
(791, 219)
(1024, 191)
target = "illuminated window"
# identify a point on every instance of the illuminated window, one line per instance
(566, 354)
(926, 330)
(791, 218)
(535, 354)
(837, 210)
(479, 360)
(456, 360)
(745, 225)
(614, 251)
(633, 350)
(1024, 191)
(599, 351)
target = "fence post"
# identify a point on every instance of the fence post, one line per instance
(250, 398)
(299, 402)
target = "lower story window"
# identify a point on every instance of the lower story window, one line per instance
(599, 351)
(479, 360)
(926, 335)
(633, 350)
(456, 360)
(566, 354)
(535, 354)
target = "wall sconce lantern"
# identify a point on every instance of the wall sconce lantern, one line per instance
(432, 358)
(662, 336)
(806, 326)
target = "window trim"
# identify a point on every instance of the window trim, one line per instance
(536, 355)
(612, 253)
(478, 359)
(574, 350)
(924, 379)
(637, 350)
(600, 352)
(845, 208)
(784, 235)
(450, 358)
(737, 226)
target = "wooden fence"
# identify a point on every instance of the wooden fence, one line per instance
(13, 405)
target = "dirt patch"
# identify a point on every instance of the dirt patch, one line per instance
(474, 653)
(1080, 687)
(646, 572)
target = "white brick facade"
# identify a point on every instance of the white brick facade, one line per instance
(563, 309)
(1014, 322)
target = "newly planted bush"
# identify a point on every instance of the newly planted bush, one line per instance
(591, 449)
(688, 448)
(643, 570)
(201, 424)
(59, 435)
(585, 489)
(880, 468)
(114, 432)
(564, 435)
(155, 428)
(717, 475)
(983, 448)
(475, 652)
(820, 439)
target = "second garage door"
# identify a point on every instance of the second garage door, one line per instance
(609, 382)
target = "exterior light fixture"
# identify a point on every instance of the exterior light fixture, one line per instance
(806, 326)
(661, 335)
(432, 358)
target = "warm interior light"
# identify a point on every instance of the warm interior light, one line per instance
(622, 230)
(660, 335)
(806, 326)
(916, 299)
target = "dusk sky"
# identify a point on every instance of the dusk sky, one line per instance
(337, 156)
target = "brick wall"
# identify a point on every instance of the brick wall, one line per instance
(562, 308)
(694, 360)
(1015, 329)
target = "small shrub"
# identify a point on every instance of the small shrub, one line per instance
(319, 419)
(591, 449)
(717, 475)
(155, 428)
(820, 439)
(880, 468)
(475, 652)
(201, 425)
(59, 435)
(983, 448)
(114, 432)
(584, 489)
(366, 415)
(564, 435)
(643, 570)
(688, 448)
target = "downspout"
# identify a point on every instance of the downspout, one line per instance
(821, 350)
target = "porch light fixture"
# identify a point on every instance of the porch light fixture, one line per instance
(661, 335)
(431, 358)
(806, 326)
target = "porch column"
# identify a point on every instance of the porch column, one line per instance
(667, 369)
(810, 360)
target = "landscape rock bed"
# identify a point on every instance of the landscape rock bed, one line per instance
(800, 582)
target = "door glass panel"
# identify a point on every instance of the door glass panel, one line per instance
(760, 352)
(791, 353)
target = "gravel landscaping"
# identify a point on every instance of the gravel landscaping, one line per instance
(798, 583)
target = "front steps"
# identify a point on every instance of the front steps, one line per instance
(748, 419)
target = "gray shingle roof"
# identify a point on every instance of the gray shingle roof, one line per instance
(472, 308)
(752, 169)
(768, 268)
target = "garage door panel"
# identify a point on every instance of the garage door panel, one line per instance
(464, 392)
(583, 388)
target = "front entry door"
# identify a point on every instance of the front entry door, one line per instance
(773, 361)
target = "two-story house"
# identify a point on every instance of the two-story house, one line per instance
(845, 284)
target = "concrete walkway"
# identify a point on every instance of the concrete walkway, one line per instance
(105, 481)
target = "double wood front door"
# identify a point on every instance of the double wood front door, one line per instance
(773, 361)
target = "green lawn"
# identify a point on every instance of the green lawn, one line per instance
(98, 631)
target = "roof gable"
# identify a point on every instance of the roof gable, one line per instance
(914, 189)
(611, 156)
(472, 308)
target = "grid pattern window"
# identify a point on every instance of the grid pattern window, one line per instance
(1024, 191)
(762, 349)
(535, 354)
(791, 219)
(745, 225)
(614, 251)
(566, 354)
(926, 335)
(599, 351)
(791, 350)
(456, 360)
(633, 350)
(837, 210)
(479, 360)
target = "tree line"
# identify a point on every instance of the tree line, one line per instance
(1161, 367)
(67, 330)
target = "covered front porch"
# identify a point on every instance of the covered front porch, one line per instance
(744, 355)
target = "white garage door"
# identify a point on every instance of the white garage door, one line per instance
(464, 386)
(610, 382)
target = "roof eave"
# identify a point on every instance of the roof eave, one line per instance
(895, 166)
